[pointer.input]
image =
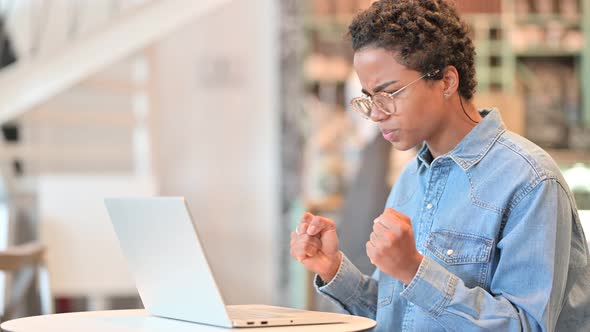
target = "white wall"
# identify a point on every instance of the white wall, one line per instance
(83, 255)
(215, 134)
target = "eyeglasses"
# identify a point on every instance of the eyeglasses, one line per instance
(384, 101)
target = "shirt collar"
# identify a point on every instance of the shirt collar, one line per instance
(475, 145)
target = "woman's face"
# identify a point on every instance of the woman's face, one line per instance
(419, 112)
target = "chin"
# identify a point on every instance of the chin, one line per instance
(403, 146)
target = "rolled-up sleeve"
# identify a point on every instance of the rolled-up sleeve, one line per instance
(351, 290)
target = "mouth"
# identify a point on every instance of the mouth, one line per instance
(391, 135)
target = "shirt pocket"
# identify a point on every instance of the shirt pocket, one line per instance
(467, 256)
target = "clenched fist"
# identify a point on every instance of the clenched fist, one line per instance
(392, 248)
(315, 245)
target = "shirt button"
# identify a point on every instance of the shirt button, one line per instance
(450, 252)
(429, 206)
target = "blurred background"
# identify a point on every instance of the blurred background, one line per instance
(242, 108)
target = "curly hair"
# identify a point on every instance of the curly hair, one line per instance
(426, 35)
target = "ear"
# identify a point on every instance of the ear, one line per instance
(450, 81)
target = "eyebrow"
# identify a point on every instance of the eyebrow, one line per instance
(379, 87)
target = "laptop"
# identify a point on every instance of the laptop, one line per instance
(164, 254)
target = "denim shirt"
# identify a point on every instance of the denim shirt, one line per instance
(502, 243)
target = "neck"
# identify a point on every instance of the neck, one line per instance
(455, 126)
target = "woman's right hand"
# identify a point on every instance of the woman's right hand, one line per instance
(315, 245)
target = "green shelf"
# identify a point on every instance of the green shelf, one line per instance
(543, 19)
(489, 48)
(497, 61)
(547, 52)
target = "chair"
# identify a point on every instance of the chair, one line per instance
(28, 259)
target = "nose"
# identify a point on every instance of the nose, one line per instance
(377, 115)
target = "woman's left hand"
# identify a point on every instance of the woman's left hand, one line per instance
(391, 246)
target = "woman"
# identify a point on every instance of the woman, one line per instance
(480, 232)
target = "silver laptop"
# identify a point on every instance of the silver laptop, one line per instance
(173, 278)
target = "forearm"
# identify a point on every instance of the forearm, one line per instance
(351, 290)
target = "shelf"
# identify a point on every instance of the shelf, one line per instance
(567, 157)
(491, 20)
(491, 74)
(544, 19)
(489, 48)
(327, 23)
(547, 52)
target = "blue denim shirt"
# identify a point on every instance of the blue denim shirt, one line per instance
(502, 242)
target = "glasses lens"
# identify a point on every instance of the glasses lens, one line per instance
(385, 102)
(362, 106)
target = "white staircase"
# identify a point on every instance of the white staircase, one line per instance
(30, 82)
